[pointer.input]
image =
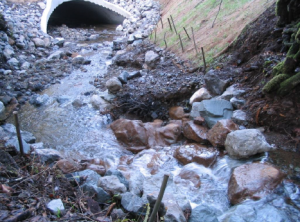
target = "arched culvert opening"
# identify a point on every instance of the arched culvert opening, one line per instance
(79, 13)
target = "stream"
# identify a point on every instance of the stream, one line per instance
(81, 132)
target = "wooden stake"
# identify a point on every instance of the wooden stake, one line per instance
(203, 59)
(159, 198)
(170, 25)
(181, 43)
(194, 42)
(155, 36)
(15, 113)
(162, 25)
(165, 39)
(187, 33)
(217, 14)
(173, 24)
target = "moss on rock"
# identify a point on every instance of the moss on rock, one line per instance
(287, 85)
(274, 83)
(278, 68)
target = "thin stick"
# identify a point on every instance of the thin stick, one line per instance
(162, 25)
(181, 43)
(217, 14)
(15, 113)
(173, 24)
(159, 198)
(165, 39)
(194, 42)
(170, 25)
(203, 59)
(187, 33)
(155, 37)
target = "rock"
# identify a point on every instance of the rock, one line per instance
(42, 5)
(14, 144)
(8, 53)
(28, 137)
(167, 135)
(38, 42)
(48, 156)
(130, 132)
(59, 41)
(113, 85)
(25, 65)
(162, 208)
(99, 103)
(253, 181)
(97, 168)
(195, 132)
(107, 96)
(78, 59)
(91, 177)
(117, 214)
(13, 62)
(206, 213)
(9, 163)
(77, 103)
(97, 193)
(214, 83)
(218, 133)
(56, 206)
(133, 203)
(37, 146)
(62, 99)
(245, 143)
(151, 58)
(199, 95)
(232, 91)
(119, 28)
(119, 44)
(2, 111)
(119, 175)
(56, 55)
(134, 74)
(174, 212)
(68, 166)
(112, 184)
(199, 120)
(176, 112)
(212, 110)
(237, 103)
(239, 117)
(123, 77)
(196, 153)
(39, 100)
(190, 175)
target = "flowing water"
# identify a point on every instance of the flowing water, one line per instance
(83, 133)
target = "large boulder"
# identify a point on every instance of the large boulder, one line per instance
(253, 181)
(245, 143)
(212, 110)
(218, 133)
(195, 132)
(130, 132)
(133, 203)
(112, 184)
(151, 59)
(199, 95)
(214, 83)
(196, 153)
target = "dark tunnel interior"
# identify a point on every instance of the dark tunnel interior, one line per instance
(82, 13)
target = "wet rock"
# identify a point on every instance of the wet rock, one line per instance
(5, 100)
(56, 55)
(119, 175)
(37, 146)
(13, 143)
(152, 200)
(118, 214)
(253, 181)
(119, 44)
(13, 62)
(206, 213)
(195, 132)
(133, 203)
(78, 59)
(25, 65)
(239, 117)
(168, 134)
(176, 112)
(39, 100)
(123, 77)
(218, 133)
(196, 153)
(2, 111)
(107, 96)
(97, 193)
(190, 175)
(174, 212)
(68, 166)
(77, 103)
(42, 5)
(214, 83)
(8, 52)
(199, 120)
(112, 185)
(134, 74)
(97, 168)
(130, 132)
(48, 156)
(38, 42)
(99, 103)
(56, 206)
(59, 41)
(232, 91)
(212, 110)
(199, 95)
(113, 85)
(237, 103)
(245, 143)
(91, 177)
(151, 58)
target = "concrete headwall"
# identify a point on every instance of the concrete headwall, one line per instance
(53, 4)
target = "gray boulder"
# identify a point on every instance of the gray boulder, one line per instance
(151, 58)
(245, 143)
(237, 103)
(204, 213)
(92, 177)
(47, 156)
(56, 55)
(212, 110)
(39, 100)
(56, 206)
(97, 193)
(38, 42)
(232, 91)
(14, 143)
(78, 60)
(239, 117)
(214, 83)
(119, 175)
(123, 77)
(113, 85)
(133, 203)
(8, 52)
(2, 111)
(112, 184)
(13, 62)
